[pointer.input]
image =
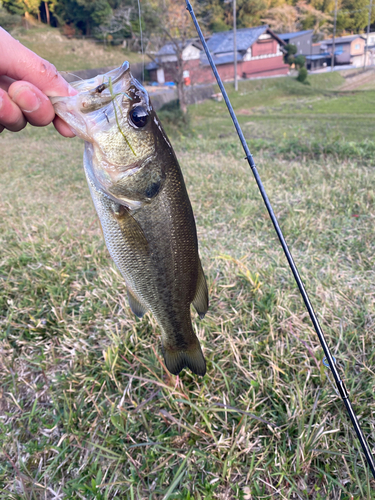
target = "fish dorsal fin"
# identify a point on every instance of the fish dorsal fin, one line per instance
(200, 301)
(135, 304)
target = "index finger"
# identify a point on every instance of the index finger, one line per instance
(20, 63)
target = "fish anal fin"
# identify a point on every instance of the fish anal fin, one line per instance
(191, 358)
(135, 304)
(200, 301)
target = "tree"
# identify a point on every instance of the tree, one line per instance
(289, 50)
(173, 24)
(301, 16)
(299, 61)
(309, 17)
(282, 19)
(20, 7)
(124, 23)
(352, 16)
(217, 15)
(84, 14)
(302, 75)
(14, 6)
(118, 26)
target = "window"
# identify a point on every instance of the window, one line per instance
(357, 46)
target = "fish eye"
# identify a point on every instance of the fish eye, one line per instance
(139, 116)
(99, 89)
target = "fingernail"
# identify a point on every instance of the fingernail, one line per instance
(26, 100)
(72, 90)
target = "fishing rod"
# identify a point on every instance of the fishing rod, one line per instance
(249, 157)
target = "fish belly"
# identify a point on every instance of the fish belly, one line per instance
(155, 248)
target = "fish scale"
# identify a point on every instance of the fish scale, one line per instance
(140, 196)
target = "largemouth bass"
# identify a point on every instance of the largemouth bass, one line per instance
(143, 206)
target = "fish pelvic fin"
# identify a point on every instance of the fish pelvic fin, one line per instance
(135, 304)
(191, 358)
(200, 301)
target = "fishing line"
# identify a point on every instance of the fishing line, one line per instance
(141, 33)
(72, 74)
(328, 356)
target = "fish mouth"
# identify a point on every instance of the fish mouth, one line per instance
(99, 114)
(114, 76)
(94, 95)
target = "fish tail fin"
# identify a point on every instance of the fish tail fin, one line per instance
(190, 358)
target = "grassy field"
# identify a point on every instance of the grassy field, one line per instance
(70, 54)
(87, 409)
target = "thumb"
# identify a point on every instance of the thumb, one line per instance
(19, 63)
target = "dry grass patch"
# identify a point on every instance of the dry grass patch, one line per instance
(70, 54)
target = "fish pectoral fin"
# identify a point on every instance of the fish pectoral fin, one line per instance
(190, 358)
(135, 304)
(200, 301)
(131, 230)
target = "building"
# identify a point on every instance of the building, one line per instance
(163, 68)
(259, 53)
(301, 39)
(348, 50)
(317, 59)
(370, 59)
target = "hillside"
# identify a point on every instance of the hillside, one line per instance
(72, 54)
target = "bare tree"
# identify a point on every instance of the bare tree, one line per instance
(174, 26)
(119, 21)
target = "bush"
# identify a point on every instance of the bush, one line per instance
(171, 115)
(9, 21)
(302, 75)
(299, 61)
(290, 49)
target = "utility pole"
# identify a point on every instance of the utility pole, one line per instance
(368, 33)
(235, 44)
(334, 35)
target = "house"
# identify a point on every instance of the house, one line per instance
(301, 39)
(259, 53)
(370, 59)
(371, 37)
(164, 66)
(317, 59)
(348, 49)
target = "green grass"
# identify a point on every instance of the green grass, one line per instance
(86, 406)
(281, 110)
(70, 54)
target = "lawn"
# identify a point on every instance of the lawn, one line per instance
(87, 409)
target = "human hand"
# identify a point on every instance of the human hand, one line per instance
(25, 82)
